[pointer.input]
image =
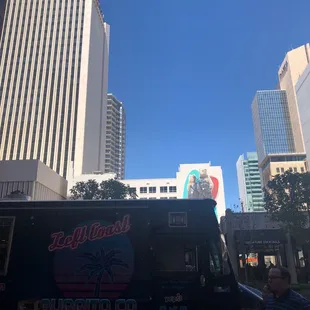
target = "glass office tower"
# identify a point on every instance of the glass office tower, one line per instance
(272, 126)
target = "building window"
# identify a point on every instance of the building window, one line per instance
(282, 170)
(172, 197)
(164, 189)
(278, 170)
(302, 169)
(152, 189)
(152, 198)
(295, 169)
(291, 169)
(172, 189)
(143, 190)
(6, 233)
(163, 197)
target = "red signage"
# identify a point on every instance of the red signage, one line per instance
(88, 233)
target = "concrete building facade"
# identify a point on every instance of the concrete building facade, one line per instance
(192, 181)
(279, 163)
(33, 178)
(115, 137)
(254, 239)
(53, 84)
(292, 67)
(249, 183)
(303, 99)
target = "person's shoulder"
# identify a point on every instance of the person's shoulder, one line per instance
(300, 299)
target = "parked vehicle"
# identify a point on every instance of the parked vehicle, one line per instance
(126, 254)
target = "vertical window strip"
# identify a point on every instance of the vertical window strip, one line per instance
(36, 89)
(49, 129)
(12, 75)
(49, 31)
(14, 138)
(60, 72)
(31, 58)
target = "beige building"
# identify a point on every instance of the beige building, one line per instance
(33, 178)
(292, 67)
(303, 96)
(53, 84)
(279, 163)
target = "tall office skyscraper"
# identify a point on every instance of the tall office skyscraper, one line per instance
(249, 183)
(115, 137)
(272, 126)
(291, 69)
(53, 84)
(274, 135)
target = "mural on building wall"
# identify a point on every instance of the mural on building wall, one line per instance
(200, 185)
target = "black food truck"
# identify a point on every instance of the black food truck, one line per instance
(113, 255)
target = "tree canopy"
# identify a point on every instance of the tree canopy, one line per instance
(109, 189)
(287, 200)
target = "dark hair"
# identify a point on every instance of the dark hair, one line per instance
(285, 274)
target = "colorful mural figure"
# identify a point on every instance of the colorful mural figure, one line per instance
(199, 185)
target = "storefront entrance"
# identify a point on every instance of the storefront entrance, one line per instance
(258, 251)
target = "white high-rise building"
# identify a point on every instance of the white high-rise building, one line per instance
(115, 137)
(53, 84)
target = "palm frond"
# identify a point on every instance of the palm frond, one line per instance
(90, 267)
(118, 262)
(94, 272)
(110, 254)
(102, 252)
(110, 273)
(89, 256)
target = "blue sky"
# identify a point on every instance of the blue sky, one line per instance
(187, 71)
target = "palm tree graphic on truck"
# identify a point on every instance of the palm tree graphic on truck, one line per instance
(100, 264)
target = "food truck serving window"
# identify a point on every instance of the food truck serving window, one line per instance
(6, 235)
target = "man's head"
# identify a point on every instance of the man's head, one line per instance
(192, 179)
(279, 279)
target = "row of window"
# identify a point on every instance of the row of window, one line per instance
(154, 198)
(153, 189)
(294, 169)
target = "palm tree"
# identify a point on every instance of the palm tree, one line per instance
(100, 264)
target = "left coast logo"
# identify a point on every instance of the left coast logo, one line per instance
(85, 233)
(94, 260)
